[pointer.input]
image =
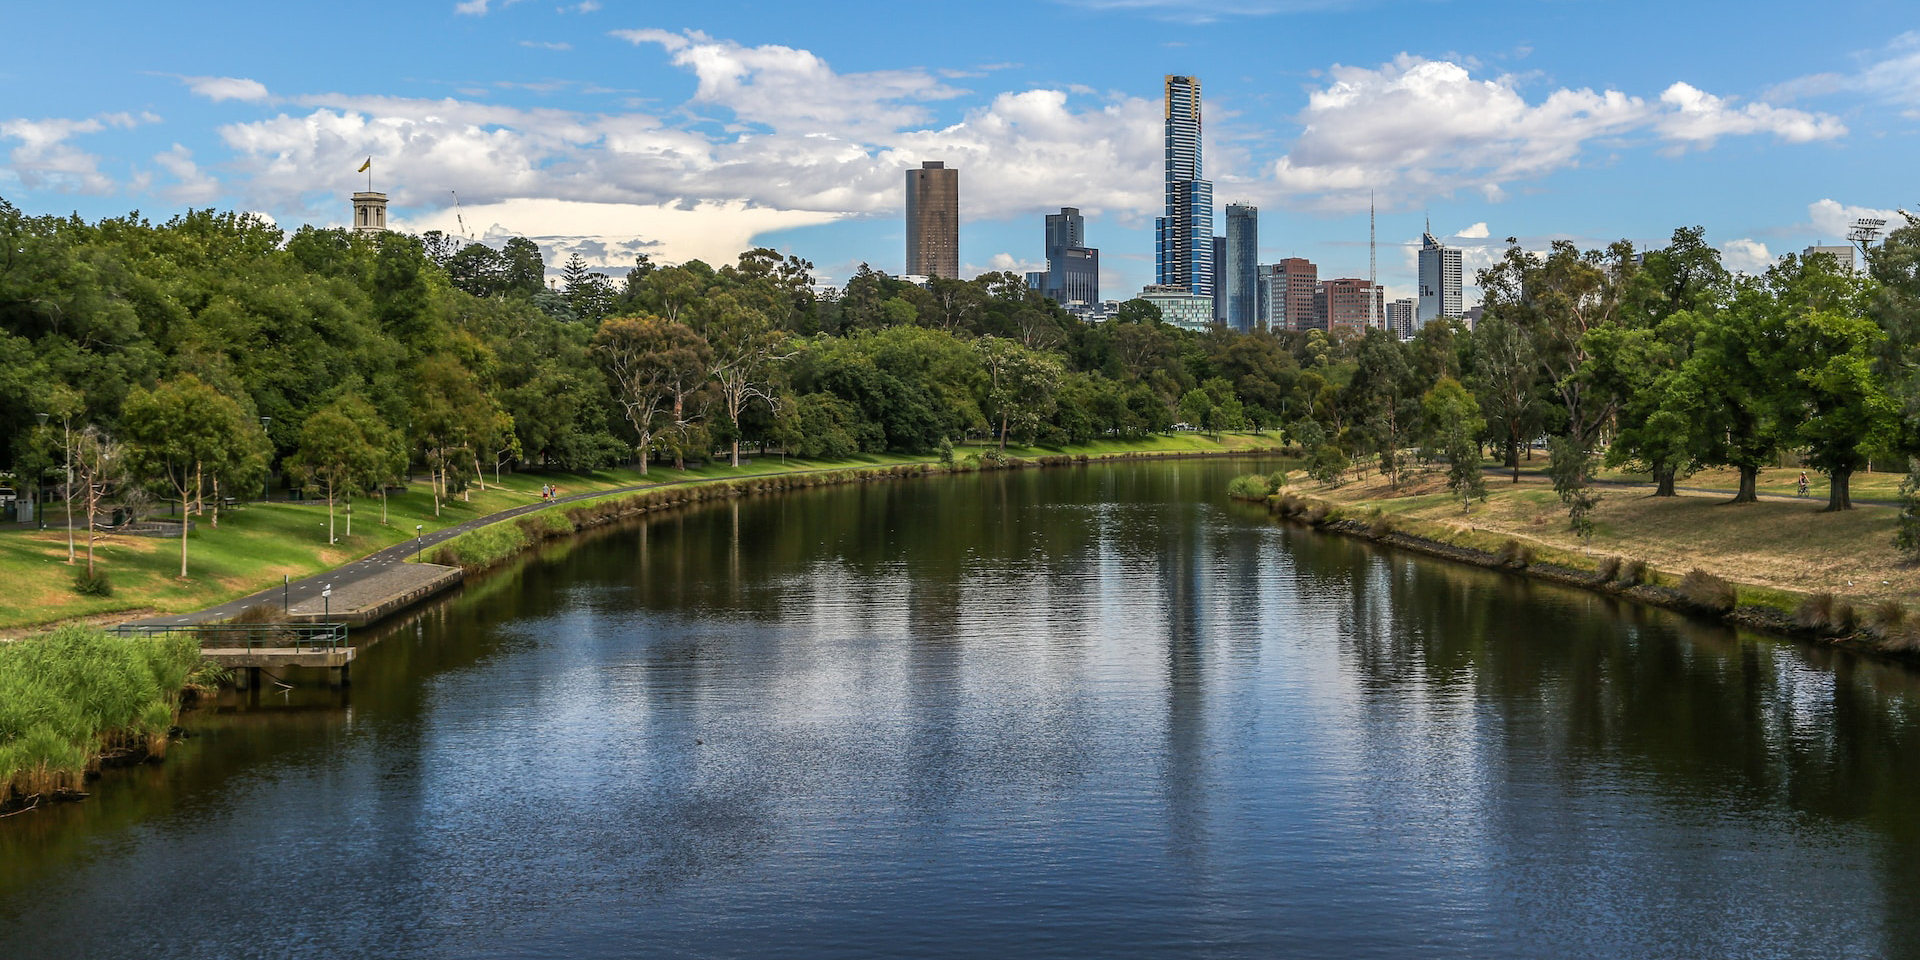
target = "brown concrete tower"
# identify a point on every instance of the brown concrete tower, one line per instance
(933, 221)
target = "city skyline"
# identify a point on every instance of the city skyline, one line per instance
(599, 129)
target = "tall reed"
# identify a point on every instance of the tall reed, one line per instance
(78, 692)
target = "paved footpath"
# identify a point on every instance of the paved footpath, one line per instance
(354, 583)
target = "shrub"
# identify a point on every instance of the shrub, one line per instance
(1707, 592)
(1609, 569)
(1318, 513)
(1251, 486)
(92, 584)
(1379, 525)
(1635, 573)
(946, 451)
(1516, 555)
(1888, 614)
(1814, 611)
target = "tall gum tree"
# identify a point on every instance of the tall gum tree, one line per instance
(180, 431)
(647, 360)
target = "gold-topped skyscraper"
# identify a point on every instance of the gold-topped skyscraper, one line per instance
(933, 221)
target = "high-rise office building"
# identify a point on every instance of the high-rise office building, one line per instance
(1219, 279)
(1183, 238)
(1073, 268)
(1400, 317)
(1343, 305)
(1441, 294)
(1242, 267)
(933, 220)
(1289, 288)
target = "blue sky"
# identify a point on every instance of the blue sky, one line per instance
(612, 128)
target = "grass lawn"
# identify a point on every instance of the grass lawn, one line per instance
(256, 545)
(1786, 546)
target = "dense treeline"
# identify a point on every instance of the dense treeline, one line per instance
(157, 349)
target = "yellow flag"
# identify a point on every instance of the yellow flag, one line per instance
(364, 166)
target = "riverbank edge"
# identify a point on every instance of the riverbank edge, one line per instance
(1518, 558)
(477, 551)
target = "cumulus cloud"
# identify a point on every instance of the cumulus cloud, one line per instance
(191, 184)
(842, 155)
(1418, 127)
(1745, 256)
(228, 88)
(608, 236)
(1699, 117)
(794, 90)
(1476, 232)
(1833, 220)
(45, 159)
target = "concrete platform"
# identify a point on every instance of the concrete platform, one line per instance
(274, 657)
(366, 599)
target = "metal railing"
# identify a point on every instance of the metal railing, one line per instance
(299, 636)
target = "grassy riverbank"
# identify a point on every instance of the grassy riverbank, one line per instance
(77, 696)
(256, 545)
(1823, 573)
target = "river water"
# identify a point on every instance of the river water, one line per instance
(1086, 712)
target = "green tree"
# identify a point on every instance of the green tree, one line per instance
(348, 449)
(1454, 422)
(648, 362)
(1019, 387)
(182, 430)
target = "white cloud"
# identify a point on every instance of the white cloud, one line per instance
(1007, 262)
(609, 235)
(795, 91)
(228, 88)
(1833, 220)
(1209, 11)
(191, 184)
(44, 159)
(478, 8)
(843, 154)
(1745, 256)
(1891, 73)
(1414, 128)
(547, 44)
(1476, 232)
(1699, 118)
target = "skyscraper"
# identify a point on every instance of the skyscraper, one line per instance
(933, 220)
(1183, 239)
(1241, 283)
(1441, 294)
(1073, 268)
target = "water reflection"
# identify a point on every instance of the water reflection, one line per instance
(1078, 712)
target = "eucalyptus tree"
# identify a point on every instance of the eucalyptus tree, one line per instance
(348, 449)
(649, 363)
(181, 431)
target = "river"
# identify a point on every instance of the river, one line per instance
(1085, 712)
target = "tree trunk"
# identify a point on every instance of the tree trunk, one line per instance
(1748, 475)
(185, 519)
(330, 537)
(736, 452)
(216, 504)
(1003, 432)
(1839, 490)
(1663, 480)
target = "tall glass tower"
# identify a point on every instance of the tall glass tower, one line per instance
(1240, 285)
(1183, 239)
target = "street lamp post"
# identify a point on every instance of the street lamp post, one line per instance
(326, 603)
